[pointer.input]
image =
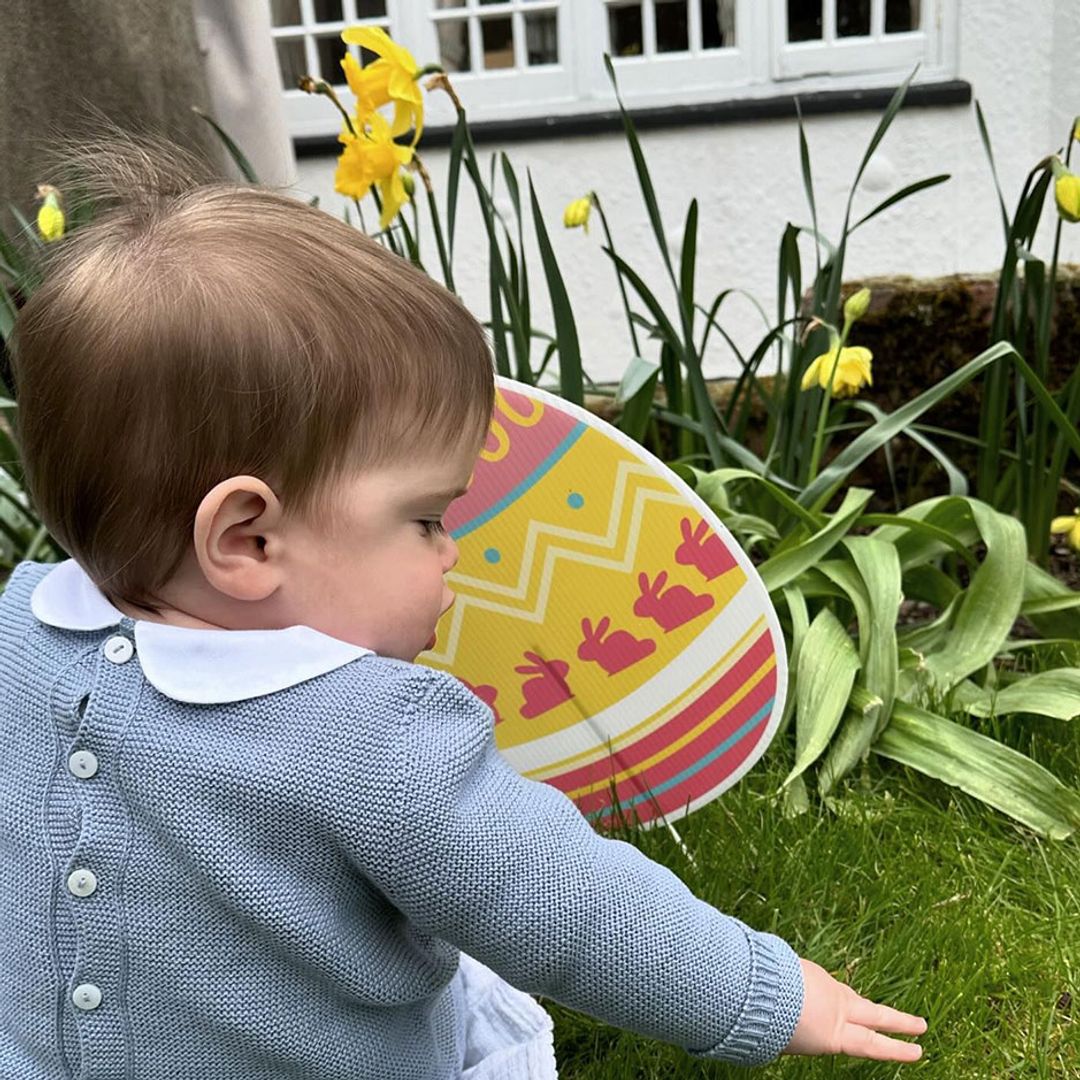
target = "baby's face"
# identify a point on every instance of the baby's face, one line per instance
(377, 579)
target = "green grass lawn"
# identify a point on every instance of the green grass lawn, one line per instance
(914, 893)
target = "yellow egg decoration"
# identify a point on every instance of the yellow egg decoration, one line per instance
(626, 646)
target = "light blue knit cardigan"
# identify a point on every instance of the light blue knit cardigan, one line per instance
(283, 882)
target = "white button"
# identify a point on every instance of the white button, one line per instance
(81, 882)
(87, 996)
(119, 649)
(82, 764)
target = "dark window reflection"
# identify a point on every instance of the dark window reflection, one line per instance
(672, 31)
(804, 20)
(853, 18)
(624, 28)
(901, 16)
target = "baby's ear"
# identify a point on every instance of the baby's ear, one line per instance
(238, 537)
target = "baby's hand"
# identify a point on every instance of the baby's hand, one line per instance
(836, 1020)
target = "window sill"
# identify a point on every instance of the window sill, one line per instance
(782, 106)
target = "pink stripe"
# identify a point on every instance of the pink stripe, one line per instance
(674, 729)
(682, 759)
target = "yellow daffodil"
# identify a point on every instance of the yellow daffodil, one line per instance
(50, 218)
(577, 213)
(856, 305)
(1067, 196)
(392, 77)
(852, 370)
(1070, 526)
(372, 157)
(1076, 129)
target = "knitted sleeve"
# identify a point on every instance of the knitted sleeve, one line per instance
(510, 872)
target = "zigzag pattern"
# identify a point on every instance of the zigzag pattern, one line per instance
(539, 531)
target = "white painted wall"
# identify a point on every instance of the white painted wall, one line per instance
(1021, 62)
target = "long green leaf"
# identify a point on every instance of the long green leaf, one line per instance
(570, 380)
(800, 624)
(897, 196)
(830, 478)
(235, 152)
(828, 664)
(990, 604)
(1054, 693)
(787, 566)
(990, 771)
(642, 170)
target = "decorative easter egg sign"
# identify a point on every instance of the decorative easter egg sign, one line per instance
(617, 631)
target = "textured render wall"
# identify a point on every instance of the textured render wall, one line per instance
(746, 178)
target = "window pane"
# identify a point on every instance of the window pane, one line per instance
(285, 12)
(717, 23)
(804, 20)
(290, 52)
(327, 10)
(454, 45)
(371, 9)
(901, 15)
(449, 3)
(542, 38)
(331, 52)
(624, 28)
(498, 38)
(852, 18)
(672, 32)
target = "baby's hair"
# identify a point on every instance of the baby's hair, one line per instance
(198, 329)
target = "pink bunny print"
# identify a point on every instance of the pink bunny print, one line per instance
(710, 555)
(616, 652)
(672, 608)
(547, 688)
(487, 694)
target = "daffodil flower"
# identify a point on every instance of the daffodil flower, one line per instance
(372, 157)
(851, 374)
(390, 78)
(50, 217)
(577, 213)
(1066, 191)
(1070, 526)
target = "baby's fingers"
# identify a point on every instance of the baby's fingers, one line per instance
(857, 1041)
(884, 1018)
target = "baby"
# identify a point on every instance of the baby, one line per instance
(244, 835)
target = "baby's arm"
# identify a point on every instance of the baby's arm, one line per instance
(509, 871)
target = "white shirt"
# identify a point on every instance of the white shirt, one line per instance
(200, 666)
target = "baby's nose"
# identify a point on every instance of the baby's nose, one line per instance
(450, 556)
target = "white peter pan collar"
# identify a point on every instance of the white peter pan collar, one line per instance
(202, 667)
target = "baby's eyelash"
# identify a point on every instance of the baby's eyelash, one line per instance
(433, 528)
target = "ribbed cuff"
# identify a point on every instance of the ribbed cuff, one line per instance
(773, 1004)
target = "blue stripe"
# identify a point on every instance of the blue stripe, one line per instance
(713, 754)
(545, 466)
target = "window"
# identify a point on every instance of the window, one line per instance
(519, 59)
(843, 37)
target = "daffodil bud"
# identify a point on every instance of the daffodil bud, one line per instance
(1067, 196)
(408, 183)
(50, 218)
(856, 306)
(577, 213)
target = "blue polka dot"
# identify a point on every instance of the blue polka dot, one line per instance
(575, 500)
(493, 555)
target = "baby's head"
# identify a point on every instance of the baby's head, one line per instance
(235, 410)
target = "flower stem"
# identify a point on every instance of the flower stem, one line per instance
(826, 398)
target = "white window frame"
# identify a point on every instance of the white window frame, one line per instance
(762, 63)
